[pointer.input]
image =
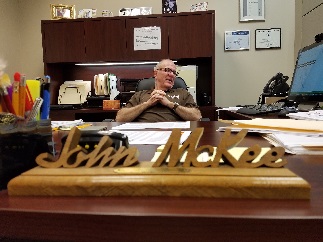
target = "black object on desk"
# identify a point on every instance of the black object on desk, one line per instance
(261, 109)
(89, 139)
(96, 101)
(18, 152)
(64, 106)
(286, 110)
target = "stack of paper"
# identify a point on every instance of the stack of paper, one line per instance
(297, 143)
(311, 115)
(276, 125)
(296, 136)
(66, 125)
(147, 137)
(156, 125)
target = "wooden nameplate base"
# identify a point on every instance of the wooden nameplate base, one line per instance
(105, 176)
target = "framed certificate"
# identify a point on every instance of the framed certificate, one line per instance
(268, 38)
(237, 40)
(252, 10)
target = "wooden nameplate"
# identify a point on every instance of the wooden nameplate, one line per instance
(145, 180)
(107, 177)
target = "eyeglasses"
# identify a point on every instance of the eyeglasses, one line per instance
(168, 70)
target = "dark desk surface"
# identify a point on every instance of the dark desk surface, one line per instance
(171, 218)
(233, 115)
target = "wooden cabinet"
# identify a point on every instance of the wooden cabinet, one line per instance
(84, 40)
(183, 35)
(191, 36)
(105, 39)
(63, 41)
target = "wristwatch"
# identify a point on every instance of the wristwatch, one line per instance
(175, 106)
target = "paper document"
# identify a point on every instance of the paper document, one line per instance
(148, 137)
(67, 125)
(250, 130)
(156, 125)
(229, 108)
(284, 125)
(295, 136)
(296, 143)
(311, 115)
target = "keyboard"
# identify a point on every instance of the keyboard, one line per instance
(261, 108)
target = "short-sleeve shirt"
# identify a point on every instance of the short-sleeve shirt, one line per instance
(159, 112)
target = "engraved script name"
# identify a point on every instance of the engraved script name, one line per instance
(104, 154)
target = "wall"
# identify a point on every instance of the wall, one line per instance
(10, 47)
(239, 76)
(243, 74)
(312, 17)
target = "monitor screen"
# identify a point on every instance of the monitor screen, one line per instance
(307, 83)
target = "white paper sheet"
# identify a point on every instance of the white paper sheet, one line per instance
(148, 137)
(156, 125)
(296, 143)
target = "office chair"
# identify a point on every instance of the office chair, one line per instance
(149, 83)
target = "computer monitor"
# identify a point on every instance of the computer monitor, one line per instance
(307, 84)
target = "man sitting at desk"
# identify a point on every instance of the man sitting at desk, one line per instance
(162, 103)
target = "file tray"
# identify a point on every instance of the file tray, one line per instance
(73, 92)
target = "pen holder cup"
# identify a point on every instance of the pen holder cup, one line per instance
(18, 152)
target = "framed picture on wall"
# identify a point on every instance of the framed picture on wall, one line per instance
(252, 10)
(169, 6)
(268, 38)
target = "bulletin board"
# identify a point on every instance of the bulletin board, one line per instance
(268, 38)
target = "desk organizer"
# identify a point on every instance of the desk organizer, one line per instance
(20, 144)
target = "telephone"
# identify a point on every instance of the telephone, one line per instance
(277, 86)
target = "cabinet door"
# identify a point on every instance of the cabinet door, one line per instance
(191, 36)
(63, 41)
(105, 39)
(149, 54)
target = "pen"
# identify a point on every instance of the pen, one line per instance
(44, 114)
(7, 100)
(22, 95)
(15, 93)
(28, 101)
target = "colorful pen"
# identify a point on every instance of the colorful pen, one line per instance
(15, 93)
(7, 100)
(22, 95)
(44, 114)
(28, 100)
